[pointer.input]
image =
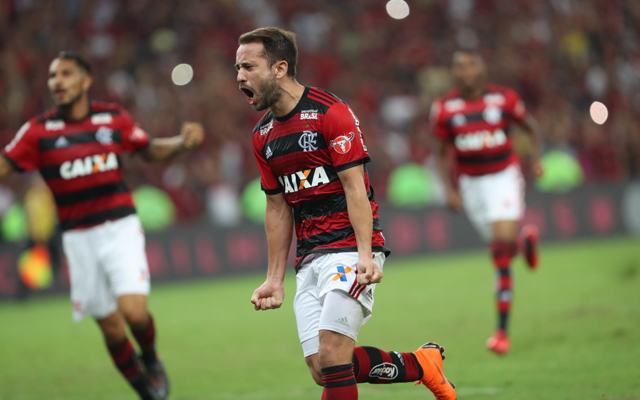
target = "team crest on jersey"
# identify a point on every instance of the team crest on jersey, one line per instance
(306, 179)
(308, 114)
(101, 119)
(342, 144)
(89, 165)
(458, 120)
(308, 141)
(265, 129)
(104, 135)
(492, 114)
(55, 125)
(480, 140)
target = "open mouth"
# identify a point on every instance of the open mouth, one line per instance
(249, 93)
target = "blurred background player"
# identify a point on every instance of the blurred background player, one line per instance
(475, 119)
(311, 155)
(76, 147)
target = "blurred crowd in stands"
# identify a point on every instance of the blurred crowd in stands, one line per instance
(560, 55)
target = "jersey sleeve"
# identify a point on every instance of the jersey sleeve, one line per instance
(134, 138)
(438, 125)
(22, 151)
(515, 106)
(268, 181)
(343, 135)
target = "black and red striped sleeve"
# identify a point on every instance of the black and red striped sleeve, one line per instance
(437, 122)
(268, 181)
(22, 151)
(514, 106)
(134, 138)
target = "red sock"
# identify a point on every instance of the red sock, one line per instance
(373, 365)
(502, 254)
(125, 358)
(146, 338)
(339, 383)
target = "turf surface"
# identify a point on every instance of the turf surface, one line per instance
(575, 333)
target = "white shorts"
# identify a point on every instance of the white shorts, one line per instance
(105, 261)
(493, 197)
(320, 274)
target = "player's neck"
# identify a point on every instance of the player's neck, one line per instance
(76, 111)
(472, 93)
(290, 96)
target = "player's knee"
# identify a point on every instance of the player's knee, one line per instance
(137, 318)
(314, 368)
(112, 328)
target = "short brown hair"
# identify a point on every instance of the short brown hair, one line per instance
(279, 44)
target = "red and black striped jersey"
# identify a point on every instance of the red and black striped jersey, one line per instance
(300, 155)
(80, 161)
(479, 128)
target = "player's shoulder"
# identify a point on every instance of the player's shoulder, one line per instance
(101, 107)
(450, 102)
(264, 125)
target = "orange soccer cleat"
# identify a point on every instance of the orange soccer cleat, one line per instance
(499, 342)
(430, 356)
(530, 239)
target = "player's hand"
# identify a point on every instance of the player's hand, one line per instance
(268, 296)
(192, 135)
(368, 272)
(536, 169)
(454, 201)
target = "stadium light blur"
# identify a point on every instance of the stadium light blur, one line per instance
(398, 9)
(182, 74)
(599, 112)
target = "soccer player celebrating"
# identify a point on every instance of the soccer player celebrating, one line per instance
(311, 155)
(77, 147)
(475, 119)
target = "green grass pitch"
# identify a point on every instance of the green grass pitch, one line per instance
(575, 333)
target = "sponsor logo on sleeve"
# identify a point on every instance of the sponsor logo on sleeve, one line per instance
(268, 153)
(306, 179)
(387, 371)
(342, 144)
(308, 141)
(138, 135)
(101, 119)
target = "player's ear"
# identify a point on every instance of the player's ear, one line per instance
(87, 81)
(280, 69)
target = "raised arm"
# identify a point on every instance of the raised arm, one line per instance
(278, 221)
(361, 218)
(5, 167)
(164, 149)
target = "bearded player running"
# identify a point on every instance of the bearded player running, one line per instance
(77, 147)
(475, 119)
(312, 156)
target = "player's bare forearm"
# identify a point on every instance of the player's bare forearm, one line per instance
(444, 166)
(5, 167)
(164, 149)
(279, 225)
(359, 208)
(531, 127)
